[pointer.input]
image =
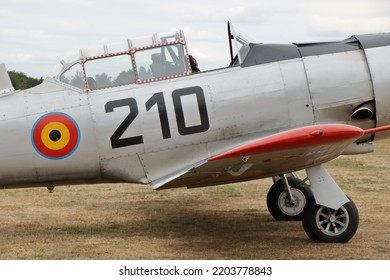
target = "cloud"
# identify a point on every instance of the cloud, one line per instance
(333, 26)
(341, 18)
(35, 35)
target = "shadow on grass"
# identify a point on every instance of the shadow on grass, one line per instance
(197, 230)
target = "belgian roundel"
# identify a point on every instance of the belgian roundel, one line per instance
(55, 135)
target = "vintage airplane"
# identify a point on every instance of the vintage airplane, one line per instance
(135, 112)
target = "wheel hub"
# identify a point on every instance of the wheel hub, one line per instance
(332, 219)
(290, 202)
(332, 222)
(292, 206)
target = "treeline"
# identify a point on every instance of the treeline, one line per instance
(21, 81)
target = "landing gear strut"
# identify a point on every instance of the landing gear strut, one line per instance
(327, 214)
(287, 198)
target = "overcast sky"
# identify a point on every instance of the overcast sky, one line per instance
(35, 35)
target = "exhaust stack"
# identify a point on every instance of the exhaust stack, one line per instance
(363, 112)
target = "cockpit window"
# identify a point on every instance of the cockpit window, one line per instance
(239, 46)
(160, 62)
(74, 76)
(136, 61)
(109, 72)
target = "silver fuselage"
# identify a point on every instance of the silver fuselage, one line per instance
(176, 123)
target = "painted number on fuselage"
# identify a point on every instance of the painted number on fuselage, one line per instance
(158, 100)
(177, 103)
(116, 141)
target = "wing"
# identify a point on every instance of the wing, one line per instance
(275, 154)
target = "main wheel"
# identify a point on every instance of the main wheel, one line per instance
(323, 224)
(279, 203)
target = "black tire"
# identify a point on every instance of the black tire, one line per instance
(278, 202)
(323, 224)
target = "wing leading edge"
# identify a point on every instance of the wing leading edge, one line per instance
(275, 154)
(303, 137)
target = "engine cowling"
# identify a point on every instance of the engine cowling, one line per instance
(377, 50)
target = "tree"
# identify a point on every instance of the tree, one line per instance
(21, 81)
(125, 78)
(77, 80)
(103, 80)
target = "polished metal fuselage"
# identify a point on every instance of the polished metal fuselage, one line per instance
(240, 103)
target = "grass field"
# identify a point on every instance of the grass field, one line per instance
(124, 221)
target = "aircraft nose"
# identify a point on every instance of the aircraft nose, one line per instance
(376, 50)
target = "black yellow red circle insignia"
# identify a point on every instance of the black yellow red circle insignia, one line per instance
(55, 135)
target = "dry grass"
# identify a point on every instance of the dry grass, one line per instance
(227, 222)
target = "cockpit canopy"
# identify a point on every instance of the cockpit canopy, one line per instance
(140, 60)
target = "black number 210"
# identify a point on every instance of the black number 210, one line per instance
(158, 100)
